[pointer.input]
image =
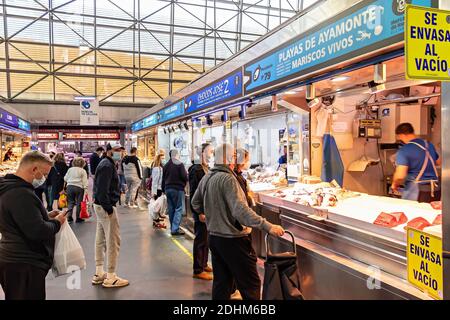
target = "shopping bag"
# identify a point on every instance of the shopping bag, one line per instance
(62, 202)
(69, 255)
(84, 213)
(157, 208)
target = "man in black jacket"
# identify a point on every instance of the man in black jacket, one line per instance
(94, 159)
(107, 239)
(28, 235)
(175, 179)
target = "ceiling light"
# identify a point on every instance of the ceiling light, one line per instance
(291, 92)
(340, 78)
(84, 98)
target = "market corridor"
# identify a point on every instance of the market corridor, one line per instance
(156, 264)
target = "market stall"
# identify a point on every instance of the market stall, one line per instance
(14, 141)
(333, 95)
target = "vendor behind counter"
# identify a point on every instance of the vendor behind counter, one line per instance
(416, 167)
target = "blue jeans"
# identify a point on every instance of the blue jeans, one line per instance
(175, 199)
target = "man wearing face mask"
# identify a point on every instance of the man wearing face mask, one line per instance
(107, 239)
(28, 231)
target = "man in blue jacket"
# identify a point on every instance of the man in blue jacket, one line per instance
(107, 239)
(28, 234)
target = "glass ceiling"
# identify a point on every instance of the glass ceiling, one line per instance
(123, 51)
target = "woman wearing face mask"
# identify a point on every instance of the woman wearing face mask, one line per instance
(132, 171)
(243, 164)
(200, 249)
(56, 177)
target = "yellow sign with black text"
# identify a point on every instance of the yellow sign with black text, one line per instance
(424, 259)
(427, 43)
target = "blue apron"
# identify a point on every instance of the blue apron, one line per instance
(412, 189)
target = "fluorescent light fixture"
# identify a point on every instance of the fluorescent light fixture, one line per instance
(83, 98)
(290, 92)
(340, 78)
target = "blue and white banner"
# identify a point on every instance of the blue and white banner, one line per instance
(171, 112)
(139, 125)
(224, 90)
(365, 27)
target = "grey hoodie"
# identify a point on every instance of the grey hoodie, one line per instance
(220, 197)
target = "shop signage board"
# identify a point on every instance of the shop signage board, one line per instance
(14, 121)
(47, 136)
(364, 28)
(91, 136)
(137, 126)
(171, 112)
(227, 88)
(427, 43)
(89, 113)
(424, 259)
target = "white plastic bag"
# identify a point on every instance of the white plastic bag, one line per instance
(69, 255)
(157, 208)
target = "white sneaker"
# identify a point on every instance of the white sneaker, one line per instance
(134, 206)
(96, 279)
(115, 282)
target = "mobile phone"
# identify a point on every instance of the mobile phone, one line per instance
(65, 211)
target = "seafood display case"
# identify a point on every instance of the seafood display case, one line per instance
(345, 236)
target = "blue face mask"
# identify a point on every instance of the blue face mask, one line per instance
(116, 156)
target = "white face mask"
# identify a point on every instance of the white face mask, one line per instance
(116, 156)
(38, 182)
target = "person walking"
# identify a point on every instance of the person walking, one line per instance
(79, 154)
(174, 182)
(200, 247)
(122, 181)
(228, 218)
(48, 187)
(94, 159)
(107, 238)
(28, 231)
(132, 170)
(77, 186)
(56, 177)
(157, 176)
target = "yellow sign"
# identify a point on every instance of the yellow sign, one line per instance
(228, 124)
(424, 258)
(427, 43)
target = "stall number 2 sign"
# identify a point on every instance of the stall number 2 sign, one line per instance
(427, 43)
(424, 258)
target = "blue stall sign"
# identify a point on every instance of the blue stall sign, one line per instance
(14, 121)
(169, 113)
(137, 126)
(363, 28)
(24, 125)
(221, 91)
(150, 121)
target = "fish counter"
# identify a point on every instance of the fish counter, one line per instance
(354, 243)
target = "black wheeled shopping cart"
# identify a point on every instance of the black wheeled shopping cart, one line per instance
(281, 275)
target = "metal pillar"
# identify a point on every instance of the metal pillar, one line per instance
(445, 192)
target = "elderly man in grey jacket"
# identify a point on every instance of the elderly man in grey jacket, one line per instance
(229, 221)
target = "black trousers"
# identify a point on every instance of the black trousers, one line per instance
(234, 261)
(200, 249)
(74, 198)
(22, 281)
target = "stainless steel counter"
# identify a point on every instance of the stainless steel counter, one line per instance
(338, 261)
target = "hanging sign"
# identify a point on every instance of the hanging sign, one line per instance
(14, 121)
(427, 48)
(89, 113)
(363, 28)
(172, 112)
(424, 259)
(221, 91)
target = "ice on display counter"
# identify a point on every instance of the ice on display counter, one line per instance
(381, 215)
